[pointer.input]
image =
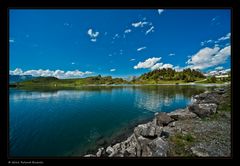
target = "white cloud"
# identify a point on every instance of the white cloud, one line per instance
(127, 31)
(132, 59)
(217, 72)
(219, 68)
(48, 73)
(227, 70)
(17, 71)
(141, 48)
(116, 36)
(208, 57)
(147, 63)
(156, 66)
(93, 35)
(213, 19)
(112, 70)
(171, 54)
(161, 66)
(206, 41)
(67, 24)
(150, 30)
(139, 24)
(178, 68)
(93, 40)
(11, 40)
(225, 37)
(160, 11)
(152, 64)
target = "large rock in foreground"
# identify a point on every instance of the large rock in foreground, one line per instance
(148, 130)
(163, 119)
(203, 110)
(182, 114)
(205, 104)
(207, 97)
(159, 147)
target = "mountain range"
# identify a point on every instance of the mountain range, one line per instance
(19, 78)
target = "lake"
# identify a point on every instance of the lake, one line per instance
(75, 121)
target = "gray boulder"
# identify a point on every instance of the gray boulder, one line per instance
(148, 130)
(127, 148)
(159, 147)
(203, 110)
(163, 119)
(109, 150)
(220, 90)
(212, 97)
(172, 124)
(144, 150)
(100, 152)
(182, 114)
(89, 155)
(199, 152)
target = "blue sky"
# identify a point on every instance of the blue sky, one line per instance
(121, 43)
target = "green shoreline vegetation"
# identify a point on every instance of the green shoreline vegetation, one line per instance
(160, 76)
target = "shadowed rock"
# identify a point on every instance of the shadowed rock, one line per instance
(163, 119)
(159, 147)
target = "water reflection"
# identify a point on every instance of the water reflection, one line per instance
(157, 98)
(32, 95)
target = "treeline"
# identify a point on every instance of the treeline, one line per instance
(104, 80)
(53, 81)
(187, 75)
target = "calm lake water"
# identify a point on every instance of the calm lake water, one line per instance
(71, 122)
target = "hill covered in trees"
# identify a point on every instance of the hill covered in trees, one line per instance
(55, 82)
(159, 76)
(166, 75)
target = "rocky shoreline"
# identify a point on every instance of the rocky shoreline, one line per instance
(201, 129)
